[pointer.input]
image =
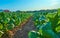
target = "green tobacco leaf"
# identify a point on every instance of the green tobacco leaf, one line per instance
(1, 33)
(58, 29)
(33, 34)
(1, 26)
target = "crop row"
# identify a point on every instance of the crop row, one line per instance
(8, 21)
(48, 25)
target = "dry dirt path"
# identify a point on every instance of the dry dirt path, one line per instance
(23, 32)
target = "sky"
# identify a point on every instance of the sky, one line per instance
(25, 5)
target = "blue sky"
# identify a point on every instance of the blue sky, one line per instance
(29, 4)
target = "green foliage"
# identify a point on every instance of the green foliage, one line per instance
(10, 20)
(48, 26)
(34, 34)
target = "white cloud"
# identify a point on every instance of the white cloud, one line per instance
(54, 2)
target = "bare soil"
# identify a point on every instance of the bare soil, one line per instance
(23, 32)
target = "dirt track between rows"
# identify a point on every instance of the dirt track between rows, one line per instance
(23, 32)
